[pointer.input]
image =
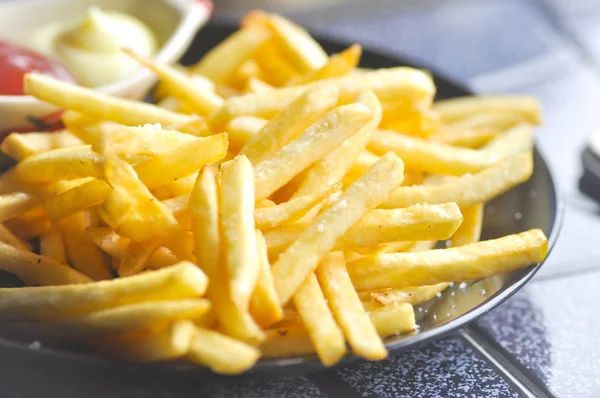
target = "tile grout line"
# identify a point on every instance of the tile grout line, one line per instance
(525, 385)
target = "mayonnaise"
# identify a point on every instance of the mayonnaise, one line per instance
(91, 48)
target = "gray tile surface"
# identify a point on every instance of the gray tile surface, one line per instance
(446, 368)
(552, 329)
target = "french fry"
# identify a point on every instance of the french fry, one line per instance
(175, 188)
(432, 157)
(292, 210)
(19, 146)
(180, 281)
(30, 225)
(96, 104)
(137, 256)
(470, 229)
(237, 223)
(418, 222)
(83, 254)
(326, 336)
(254, 85)
(241, 129)
(248, 70)
(183, 161)
(309, 107)
(454, 109)
(333, 166)
(220, 353)
(202, 101)
(195, 126)
(410, 295)
(145, 316)
(222, 61)
(6, 236)
(314, 143)
(392, 84)
(512, 142)
(377, 226)
(469, 262)
(297, 44)
(337, 65)
(150, 346)
(60, 164)
(264, 304)
(130, 209)
(470, 189)
(16, 203)
(133, 144)
(275, 67)
(393, 320)
(292, 340)
(347, 308)
(116, 246)
(33, 269)
(205, 209)
(302, 257)
(84, 196)
(52, 245)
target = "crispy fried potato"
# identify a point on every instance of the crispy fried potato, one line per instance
(205, 210)
(264, 304)
(333, 166)
(454, 109)
(297, 44)
(392, 84)
(154, 315)
(116, 246)
(222, 61)
(149, 346)
(337, 65)
(19, 146)
(96, 104)
(469, 189)
(309, 107)
(347, 308)
(292, 210)
(302, 257)
(238, 228)
(314, 143)
(84, 196)
(6, 236)
(16, 203)
(432, 157)
(52, 245)
(410, 295)
(200, 100)
(512, 142)
(137, 256)
(180, 281)
(326, 336)
(474, 261)
(241, 129)
(60, 164)
(220, 353)
(182, 161)
(83, 254)
(470, 229)
(33, 269)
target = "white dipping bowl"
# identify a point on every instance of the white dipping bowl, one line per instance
(173, 22)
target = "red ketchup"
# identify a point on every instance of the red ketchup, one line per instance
(16, 61)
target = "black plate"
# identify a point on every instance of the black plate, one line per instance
(535, 204)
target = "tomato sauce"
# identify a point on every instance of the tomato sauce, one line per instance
(16, 61)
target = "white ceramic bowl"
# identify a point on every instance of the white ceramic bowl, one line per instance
(174, 22)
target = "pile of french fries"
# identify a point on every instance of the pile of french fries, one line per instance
(275, 202)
